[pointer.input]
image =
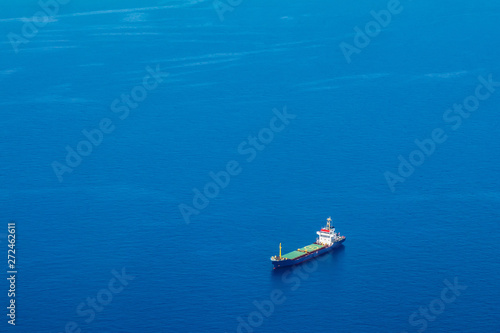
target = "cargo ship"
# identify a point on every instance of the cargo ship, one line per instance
(327, 240)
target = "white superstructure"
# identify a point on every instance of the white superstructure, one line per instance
(327, 235)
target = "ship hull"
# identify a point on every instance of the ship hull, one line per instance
(291, 262)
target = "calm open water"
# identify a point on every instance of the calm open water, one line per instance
(348, 123)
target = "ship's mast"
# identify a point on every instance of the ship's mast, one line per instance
(328, 220)
(280, 250)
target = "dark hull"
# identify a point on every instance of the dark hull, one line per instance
(285, 263)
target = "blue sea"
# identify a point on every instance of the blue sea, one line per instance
(156, 153)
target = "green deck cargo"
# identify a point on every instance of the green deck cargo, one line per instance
(309, 248)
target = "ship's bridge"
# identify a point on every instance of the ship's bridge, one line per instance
(326, 234)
